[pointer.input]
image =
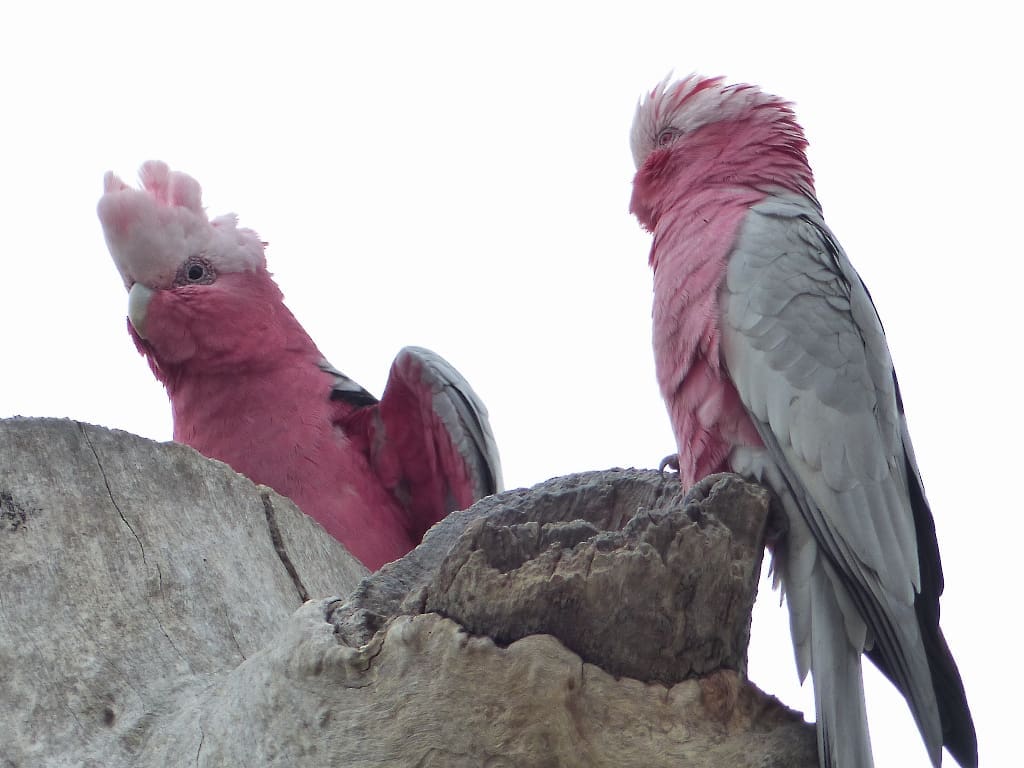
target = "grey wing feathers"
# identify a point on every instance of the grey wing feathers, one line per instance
(820, 376)
(464, 416)
(806, 351)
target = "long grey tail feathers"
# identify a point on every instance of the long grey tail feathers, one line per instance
(843, 740)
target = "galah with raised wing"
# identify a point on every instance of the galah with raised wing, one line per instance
(773, 364)
(249, 387)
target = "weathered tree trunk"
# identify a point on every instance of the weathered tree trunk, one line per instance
(150, 616)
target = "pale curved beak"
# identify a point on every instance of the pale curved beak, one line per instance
(138, 302)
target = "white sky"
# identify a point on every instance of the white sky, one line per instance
(458, 177)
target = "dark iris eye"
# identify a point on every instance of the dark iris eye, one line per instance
(195, 271)
(667, 136)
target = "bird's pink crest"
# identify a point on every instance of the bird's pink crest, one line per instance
(171, 188)
(152, 231)
(686, 105)
(702, 134)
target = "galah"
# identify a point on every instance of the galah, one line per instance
(773, 364)
(249, 387)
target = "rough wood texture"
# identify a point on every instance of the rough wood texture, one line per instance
(665, 598)
(132, 575)
(146, 608)
(425, 693)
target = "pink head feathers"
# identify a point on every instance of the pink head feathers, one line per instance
(701, 132)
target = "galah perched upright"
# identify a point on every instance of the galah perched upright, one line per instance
(773, 364)
(249, 387)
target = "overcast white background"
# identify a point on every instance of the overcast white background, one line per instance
(458, 176)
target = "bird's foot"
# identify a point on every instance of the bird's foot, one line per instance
(699, 493)
(701, 490)
(670, 462)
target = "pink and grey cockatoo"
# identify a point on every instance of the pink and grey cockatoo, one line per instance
(773, 364)
(249, 387)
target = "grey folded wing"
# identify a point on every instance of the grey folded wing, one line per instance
(805, 348)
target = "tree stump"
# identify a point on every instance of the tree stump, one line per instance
(152, 606)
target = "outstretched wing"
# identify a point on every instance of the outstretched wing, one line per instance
(429, 439)
(807, 353)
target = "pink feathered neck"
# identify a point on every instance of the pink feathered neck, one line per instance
(693, 196)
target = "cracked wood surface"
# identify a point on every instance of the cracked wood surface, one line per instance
(425, 693)
(132, 575)
(148, 618)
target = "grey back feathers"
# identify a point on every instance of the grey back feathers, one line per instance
(805, 348)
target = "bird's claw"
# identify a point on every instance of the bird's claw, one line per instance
(700, 490)
(671, 462)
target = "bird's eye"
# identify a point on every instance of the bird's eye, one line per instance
(667, 136)
(196, 271)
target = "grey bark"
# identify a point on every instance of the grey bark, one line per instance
(150, 614)
(132, 576)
